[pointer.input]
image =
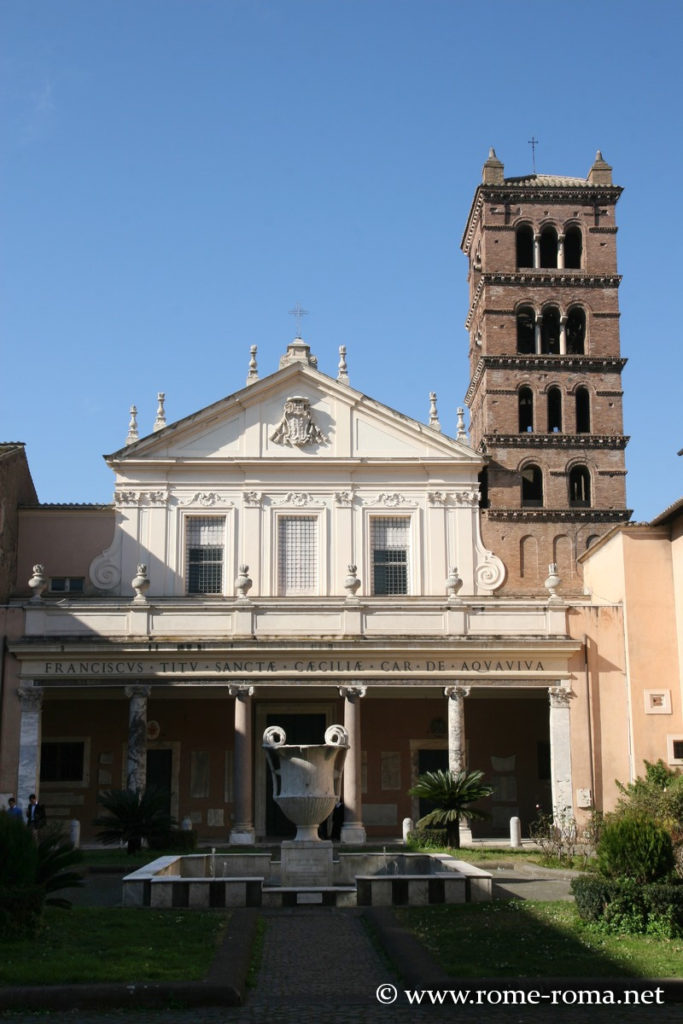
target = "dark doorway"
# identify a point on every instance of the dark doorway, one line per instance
(430, 761)
(159, 771)
(298, 729)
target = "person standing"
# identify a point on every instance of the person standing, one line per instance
(13, 810)
(35, 813)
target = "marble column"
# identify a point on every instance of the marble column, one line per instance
(560, 252)
(242, 832)
(457, 748)
(537, 251)
(563, 335)
(28, 775)
(353, 830)
(136, 769)
(560, 752)
(538, 341)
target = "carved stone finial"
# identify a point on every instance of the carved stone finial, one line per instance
(453, 584)
(552, 582)
(461, 434)
(38, 582)
(242, 582)
(298, 352)
(252, 376)
(433, 414)
(133, 426)
(351, 582)
(343, 373)
(160, 421)
(140, 584)
(297, 428)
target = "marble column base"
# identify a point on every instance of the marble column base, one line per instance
(353, 834)
(242, 835)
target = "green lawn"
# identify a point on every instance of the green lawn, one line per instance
(515, 939)
(114, 944)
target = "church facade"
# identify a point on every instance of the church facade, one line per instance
(299, 554)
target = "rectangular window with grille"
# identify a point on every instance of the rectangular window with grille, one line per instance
(390, 545)
(205, 538)
(297, 555)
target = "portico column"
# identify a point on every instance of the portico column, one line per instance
(560, 752)
(457, 750)
(242, 832)
(352, 829)
(28, 775)
(136, 769)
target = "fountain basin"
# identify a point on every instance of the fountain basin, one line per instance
(255, 879)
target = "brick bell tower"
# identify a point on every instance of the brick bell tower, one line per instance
(545, 393)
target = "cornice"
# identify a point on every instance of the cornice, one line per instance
(612, 441)
(516, 361)
(559, 515)
(585, 194)
(542, 278)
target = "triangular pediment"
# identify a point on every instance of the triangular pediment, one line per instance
(327, 419)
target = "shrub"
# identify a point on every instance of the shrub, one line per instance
(18, 852)
(591, 895)
(635, 847)
(624, 906)
(21, 907)
(427, 839)
(132, 817)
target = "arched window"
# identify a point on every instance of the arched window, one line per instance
(484, 488)
(548, 247)
(554, 410)
(572, 248)
(532, 487)
(526, 319)
(525, 245)
(583, 411)
(576, 331)
(579, 487)
(525, 401)
(591, 540)
(550, 331)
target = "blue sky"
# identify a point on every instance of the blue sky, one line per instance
(178, 174)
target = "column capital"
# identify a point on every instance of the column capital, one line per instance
(30, 697)
(240, 690)
(352, 692)
(559, 696)
(137, 690)
(457, 692)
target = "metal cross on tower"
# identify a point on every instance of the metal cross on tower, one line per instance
(299, 313)
(533, 142)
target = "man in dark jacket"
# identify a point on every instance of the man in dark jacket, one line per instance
(35, 813)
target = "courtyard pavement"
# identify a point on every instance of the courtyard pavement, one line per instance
(344, 966)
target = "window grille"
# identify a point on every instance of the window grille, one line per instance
(61, 762)
(390, 538)
(297, 555)
(204, 547)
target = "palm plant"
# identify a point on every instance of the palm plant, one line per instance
(56, 856)
(452, 793)
(133, 816)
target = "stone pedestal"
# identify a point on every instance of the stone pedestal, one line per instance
(306, 862)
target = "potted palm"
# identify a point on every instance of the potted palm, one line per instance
(452, 794)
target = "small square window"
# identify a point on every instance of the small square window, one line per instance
(67, 584)
(657, 702)
(674, 746)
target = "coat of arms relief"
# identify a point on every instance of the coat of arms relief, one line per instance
(297, 427)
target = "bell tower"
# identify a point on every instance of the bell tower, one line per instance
(545, 393)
